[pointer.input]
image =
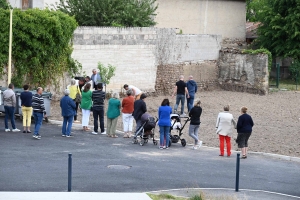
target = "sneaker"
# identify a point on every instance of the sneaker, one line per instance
(167, 147)
(199, 143)
(160, 147)
(103, 133)
(76, 121)
(15, 130)
(7, 130)
(69, 136)
(95, 133)
(63, 135)
(195, 147)
(39, 136)
(164, 147)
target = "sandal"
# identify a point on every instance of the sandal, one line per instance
(126, 135)
(114, 136)
(244, 157)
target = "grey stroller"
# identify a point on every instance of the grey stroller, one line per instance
(146, 130)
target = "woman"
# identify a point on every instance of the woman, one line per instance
(26, 102)
(244, 129)
(86, 104)
(127, 110)
(113, 112)
(74, 89)
(164, 123)
(195, 114)
(224, 129)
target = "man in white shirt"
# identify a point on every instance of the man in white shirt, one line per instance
(136, 92)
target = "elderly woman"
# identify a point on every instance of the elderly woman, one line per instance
(86, 104)
(195, 114)
(224, 129)
(74, 89)
(67, 111)
(113, 112)
(244, 129)
(127, 110)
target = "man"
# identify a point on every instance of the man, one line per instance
(39, 112)
(81, 83)
(98, 97)
(192, 89)
(139, 109)
(68, 107)
(136, 92)
(95, 78)
(9, 101)
(181, 91)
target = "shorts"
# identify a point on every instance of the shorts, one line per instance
(242, 139)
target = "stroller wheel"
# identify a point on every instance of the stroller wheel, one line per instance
(183, 142)
(155, 142)
(134, 141)
(146, 141)
(142, 142)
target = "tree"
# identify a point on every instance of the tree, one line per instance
(106, 73)
(41, 48)
(4, 5)
(120, 13)
(254, 9)
(280, 28)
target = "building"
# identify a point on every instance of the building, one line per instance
(25, 4)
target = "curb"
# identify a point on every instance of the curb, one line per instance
(282, 157)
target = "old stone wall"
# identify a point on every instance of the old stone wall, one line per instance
(243, 72)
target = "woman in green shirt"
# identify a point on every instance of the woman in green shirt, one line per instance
(113, 112)
(86, 104)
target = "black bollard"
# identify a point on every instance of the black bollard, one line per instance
(70, 173)
(237, 175)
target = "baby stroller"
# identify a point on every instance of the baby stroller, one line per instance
(146, 130)
(176, 125)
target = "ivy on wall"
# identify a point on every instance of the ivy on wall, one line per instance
(261, 51)
(41, 47)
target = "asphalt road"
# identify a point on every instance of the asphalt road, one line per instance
(28, 164)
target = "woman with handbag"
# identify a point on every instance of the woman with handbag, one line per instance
(75, 94)
(86, 104)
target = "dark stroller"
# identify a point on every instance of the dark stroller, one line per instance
(146, 130)
(176, 125)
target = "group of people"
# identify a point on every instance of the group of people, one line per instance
(89, 96)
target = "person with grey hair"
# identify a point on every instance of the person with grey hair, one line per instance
(9, 101)
(181, 92)
(74, 89)
(224, 124)
(113, 112)
(127, 110)
(67, 111)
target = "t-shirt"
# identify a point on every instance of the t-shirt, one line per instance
(137, 90)
(181, 85)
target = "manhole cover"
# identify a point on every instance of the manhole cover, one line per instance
(118, 167)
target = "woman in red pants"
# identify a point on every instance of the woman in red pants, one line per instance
(224, 129)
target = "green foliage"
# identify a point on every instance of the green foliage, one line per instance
(41, 49)
(263, 51)
(254, 9)
(106, 73)
(118, 13)
(4, 5)
(280, 29)
(295, 71)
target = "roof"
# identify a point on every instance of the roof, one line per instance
(251, 28)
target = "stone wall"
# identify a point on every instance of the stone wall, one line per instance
(243, 72)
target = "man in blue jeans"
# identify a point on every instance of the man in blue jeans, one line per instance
(38, 108)
(181, 91)
(192, 88)
(9, 101)
(68, 107)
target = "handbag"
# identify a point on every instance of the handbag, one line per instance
(78, 96)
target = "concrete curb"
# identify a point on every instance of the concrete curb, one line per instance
(282, 157)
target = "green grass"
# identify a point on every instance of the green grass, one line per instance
(284, 84)
(202, 196)
(165, 197)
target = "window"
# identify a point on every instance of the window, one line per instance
(26, 4)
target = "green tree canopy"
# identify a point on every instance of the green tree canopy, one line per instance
(254, 9)
(126, 13)
(4, 5)
(280, 28)
(41, 49)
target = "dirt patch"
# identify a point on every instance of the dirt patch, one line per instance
(276, 117)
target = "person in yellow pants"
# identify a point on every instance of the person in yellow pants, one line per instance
(26, 102)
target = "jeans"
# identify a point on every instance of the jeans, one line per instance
(190, 102)
(9, 114)
(98, 113)
(38, 120)
(127, 122)
(180, 97)
(164, 133)
(228, 144)
(111, 126)
(193, 132)
(27, 113)
(138, 124)
(67, 125)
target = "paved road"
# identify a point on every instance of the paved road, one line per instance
(27, 164)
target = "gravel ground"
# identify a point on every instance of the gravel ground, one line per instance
(276, 117)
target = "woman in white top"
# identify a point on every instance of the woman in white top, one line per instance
(224, 129)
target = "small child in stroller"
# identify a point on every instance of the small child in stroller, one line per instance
(146, 130)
